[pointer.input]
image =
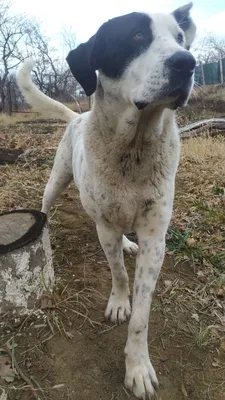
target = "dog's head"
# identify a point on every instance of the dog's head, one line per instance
(142, 59)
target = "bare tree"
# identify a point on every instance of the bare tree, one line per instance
(68, 38)
(39, 47)
(69, 42)
(12, 31)
(51, 71)
(210, 48)
(21, 38)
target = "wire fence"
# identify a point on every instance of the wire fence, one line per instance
(210, 74)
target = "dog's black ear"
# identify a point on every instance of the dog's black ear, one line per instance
(182, 16)
(83, 63)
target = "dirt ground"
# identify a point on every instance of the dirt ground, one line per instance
(67, 350)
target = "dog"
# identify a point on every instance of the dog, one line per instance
(123, 155)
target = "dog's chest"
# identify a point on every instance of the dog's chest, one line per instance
(119, 180)
(133, 162)
(144, 166)
(118, 200)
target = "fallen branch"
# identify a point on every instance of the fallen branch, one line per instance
(77, 103)
(16, 368)
(212, 126)
(3, 395)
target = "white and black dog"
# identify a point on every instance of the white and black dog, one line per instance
(124, 154)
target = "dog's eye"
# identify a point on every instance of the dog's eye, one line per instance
(138, 36)
(180, 38)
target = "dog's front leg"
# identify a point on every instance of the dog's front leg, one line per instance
(140, 375)
(118, 308)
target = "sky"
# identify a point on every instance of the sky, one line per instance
(86, 16)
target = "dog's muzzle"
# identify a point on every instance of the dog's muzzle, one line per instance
(181, 66)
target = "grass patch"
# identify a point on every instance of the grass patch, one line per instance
(218, 191)
(184, 246)
(217, 261)
(202, 337)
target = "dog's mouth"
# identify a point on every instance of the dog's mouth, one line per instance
(176, 97)
(173, 96)
(179, 91)
(179, 96)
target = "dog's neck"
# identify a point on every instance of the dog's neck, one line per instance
(127, 139)
(120, 118)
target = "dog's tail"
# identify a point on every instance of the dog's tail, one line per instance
(38, 100)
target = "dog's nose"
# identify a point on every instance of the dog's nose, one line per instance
(182, 63)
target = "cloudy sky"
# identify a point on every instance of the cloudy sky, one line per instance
(86, 16)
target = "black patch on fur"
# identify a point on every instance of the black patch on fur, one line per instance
(145, 289)
(105, 219)
(119, 44)
(125, 161)
(182, 16)
(141, 272)
(110, 50)
(146, 207)
(130, 122)
(141, 105)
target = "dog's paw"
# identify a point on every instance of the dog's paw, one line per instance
(118, 309)
(129, 247)
(141, 378)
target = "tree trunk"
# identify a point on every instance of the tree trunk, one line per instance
(3, 97)
(26, 269)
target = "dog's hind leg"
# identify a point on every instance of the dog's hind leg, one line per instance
(61, 174)
(128, 246)
(118, 308)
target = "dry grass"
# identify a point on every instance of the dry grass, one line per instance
(212, 92)
(17, 117)
(83, 105)
(200, 197)
(197, 235)
(197, 232)
(22, 184)
(205, 102)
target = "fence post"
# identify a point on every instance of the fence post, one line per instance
(9, 98)
(203, 74)
(221, 71)
(90, 102)
(50, 86)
